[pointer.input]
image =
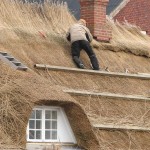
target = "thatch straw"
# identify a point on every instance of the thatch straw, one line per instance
(116, 111)
(48, 17)
(20, 93)
(36, 34)
(123, 140)
(33, 32)
(129, 38)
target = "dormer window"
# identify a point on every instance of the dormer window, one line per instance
(48, 126)
(43, 125)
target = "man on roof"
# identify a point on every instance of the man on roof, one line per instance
(80, 38)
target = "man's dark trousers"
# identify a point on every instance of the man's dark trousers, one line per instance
(77, 46)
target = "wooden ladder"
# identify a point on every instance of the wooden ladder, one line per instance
(13, 62)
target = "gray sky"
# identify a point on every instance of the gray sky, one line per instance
(74, 7)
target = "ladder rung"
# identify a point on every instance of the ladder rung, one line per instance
(22, 68)
(10, 58)
(17, 63)
(4, 53)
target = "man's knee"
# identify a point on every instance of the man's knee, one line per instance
(78, 62)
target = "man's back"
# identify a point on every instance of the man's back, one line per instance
(78, 32)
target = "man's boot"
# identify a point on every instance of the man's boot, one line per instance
(94, 62)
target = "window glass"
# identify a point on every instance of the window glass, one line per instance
(48, 114)
(32, 124)
(38, 134)
(47, 135)
(43, 125)
(32, 115)
(38, 124)
(54, 114)
(54, 135)
(54, 124)
(31, 134)
(38, 114)
(48, 125)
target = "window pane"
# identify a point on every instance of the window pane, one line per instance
(32, 115)
(31, 124)
(54, 124)
(54, 135)
(38, 124)
(48, 114)
(38, 134)
(48, 124)
(31, 134)
(54, 114)
(38, 114)
(47, 135)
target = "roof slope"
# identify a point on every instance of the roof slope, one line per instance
(36, 34)
(21, 92)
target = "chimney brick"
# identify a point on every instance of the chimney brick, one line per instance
(94, 12)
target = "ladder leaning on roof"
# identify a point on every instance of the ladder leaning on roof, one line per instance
(13, 62)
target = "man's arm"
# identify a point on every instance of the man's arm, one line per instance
(88, 35)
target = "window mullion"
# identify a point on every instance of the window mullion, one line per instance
(43, 124)
(28, 131)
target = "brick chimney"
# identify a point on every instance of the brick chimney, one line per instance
(94, 12)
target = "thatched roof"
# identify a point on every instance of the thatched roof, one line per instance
(36, 34)
(21, 92)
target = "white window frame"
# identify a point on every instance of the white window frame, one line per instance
(61, 125)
